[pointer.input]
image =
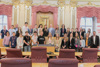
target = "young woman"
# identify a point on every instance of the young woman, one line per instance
(40, 29)
(87, 40)
(20, 42)
(62, 31)
(50, 40)
(57, 43)
(19, 32)
(57, 30)
(6, 40)
(64, 44)
(82, 43)
(34, 39)
(45, 31)
(77, 42)
(71, 42)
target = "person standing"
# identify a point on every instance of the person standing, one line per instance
(27, 42)
(12, 30)
(19, 32)
(30, 30)
(3, 32)
(72, 31)
(62, 31)
(6, 40)
(87, 40)
(20, 42)
(16, 27)
(25, 28)
(51, 30)
(45, 31)
(36, 28)
(68, 32)
(57, 30)
(82, 43)
(94, 40)
(13, 41)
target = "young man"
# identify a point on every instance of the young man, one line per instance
(27, 42)
(13, 41)
(16, 27)
(94, 40)
(41, 39)
(12, 30)
(51, 30)
(25, 28)
(3, 32)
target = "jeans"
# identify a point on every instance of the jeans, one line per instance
(6, 45)
(27, 48)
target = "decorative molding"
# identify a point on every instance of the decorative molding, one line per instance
(61, 3)
(88, 4)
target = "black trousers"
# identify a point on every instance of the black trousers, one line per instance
(94, 46)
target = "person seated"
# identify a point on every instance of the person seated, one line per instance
(3, 32)
(87, 40)
(62, 31)
(34, 38)
(20, 42)
(27, 42)
(71, 42)
(77, 42)
(49, 39)
(6, 40)
(41, 38)
(57, 42)
(82, 43)
(13, 41)
(64, 44)
(45, 31)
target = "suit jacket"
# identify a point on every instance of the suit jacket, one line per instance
(96, 41)
(61, 32)
(62, 44)
(3, 33)
(73, 34)
(82, 34)
(52, 31)
(71, 44)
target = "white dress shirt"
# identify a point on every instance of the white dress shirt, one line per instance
(94, 37)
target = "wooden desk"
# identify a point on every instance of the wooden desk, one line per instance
(1, 42)
(79, 64)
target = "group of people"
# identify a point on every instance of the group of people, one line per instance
(26, 37)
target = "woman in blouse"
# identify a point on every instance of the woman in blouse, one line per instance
(50, 39)
(20, 42)
(6, 40)
(34, 39)
(57, 43)
(45, 31)
(77, 42)
(19, 32)
(40, 29)
(82, 43)
(62, 31)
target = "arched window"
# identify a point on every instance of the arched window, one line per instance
(87, 23)
(3, 21)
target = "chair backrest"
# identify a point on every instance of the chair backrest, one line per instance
(39, 54)
(89, 55)
(16, 62)
(97, 66)
(63, 62)
(67, 53)
(14, 53)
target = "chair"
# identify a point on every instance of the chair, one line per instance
(14, 53)
(97, 66)
(89, 55)
(63, 62)
(16, 62)
(39, 54)
(66, 53)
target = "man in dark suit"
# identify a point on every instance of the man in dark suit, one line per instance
(94, 40)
